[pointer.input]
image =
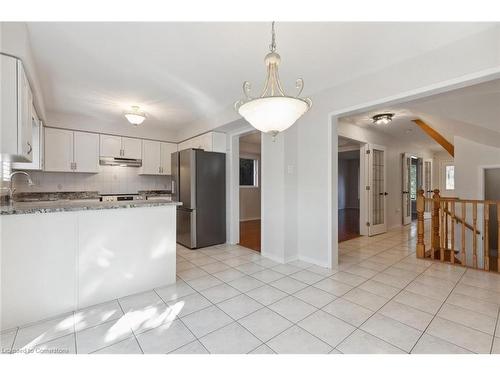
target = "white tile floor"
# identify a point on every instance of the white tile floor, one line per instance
(229, 299)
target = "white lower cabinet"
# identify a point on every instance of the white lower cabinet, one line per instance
(156, 157)
(71, 151)
(71, 260)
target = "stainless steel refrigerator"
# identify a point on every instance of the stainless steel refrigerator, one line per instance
(199, 182)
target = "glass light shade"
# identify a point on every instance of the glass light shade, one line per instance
(273, 114)
(135, 118)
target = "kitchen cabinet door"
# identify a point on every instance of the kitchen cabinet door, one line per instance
(58, 150)
(151, 157)
(37, 160)
(25, 105)
(166, 152)
(110, 146)
(16, 102)
(132, 148)
(86, 152)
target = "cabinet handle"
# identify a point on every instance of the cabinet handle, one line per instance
(30, 148)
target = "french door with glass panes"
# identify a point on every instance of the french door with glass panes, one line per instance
(377, 194)
(406, 184)
(427, 186)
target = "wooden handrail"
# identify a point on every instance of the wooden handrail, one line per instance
(461, 221)
(449, 241)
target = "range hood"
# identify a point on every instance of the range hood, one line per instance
(122, 162)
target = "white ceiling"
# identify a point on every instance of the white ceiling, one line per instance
(472, 112)
(180, 72)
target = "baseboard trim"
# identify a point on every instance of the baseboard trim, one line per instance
(250, 219)
(314, 261)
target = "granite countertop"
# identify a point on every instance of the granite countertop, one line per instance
(78, 205)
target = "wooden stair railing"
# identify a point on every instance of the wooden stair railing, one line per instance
(449, 216)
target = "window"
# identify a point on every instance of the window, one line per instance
(249, 172)
(413, 182)
(450, 177)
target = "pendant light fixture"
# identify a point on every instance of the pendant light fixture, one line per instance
(273, 111)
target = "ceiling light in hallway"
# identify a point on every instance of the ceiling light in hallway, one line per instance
(273, 111)
(382, 118)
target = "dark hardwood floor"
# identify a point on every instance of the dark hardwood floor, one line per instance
(348, 224)
(250, 234)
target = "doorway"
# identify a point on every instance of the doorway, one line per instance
(250, 190)
(491, 192)
(413, 180)
(348, 194)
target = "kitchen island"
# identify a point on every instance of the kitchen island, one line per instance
(62, 256)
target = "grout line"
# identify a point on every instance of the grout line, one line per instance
(437, 312)
(133, 333)
(497, 324)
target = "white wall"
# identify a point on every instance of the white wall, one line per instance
(14, 40)
(470, 159)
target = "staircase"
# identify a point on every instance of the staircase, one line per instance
(459, 232)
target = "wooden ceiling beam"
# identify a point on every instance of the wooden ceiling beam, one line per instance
(436, 136)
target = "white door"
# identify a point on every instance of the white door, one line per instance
(58, 150)
(86, 152)
(151, 152)
(427, 186)
(132, 148)
(405, 185)
(377, 197)
(110, 146)
(166, 157)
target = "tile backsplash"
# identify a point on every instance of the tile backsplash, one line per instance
(109, 180)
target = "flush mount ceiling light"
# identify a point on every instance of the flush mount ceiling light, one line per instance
(382, 118)
(135, 116)
(273, 111)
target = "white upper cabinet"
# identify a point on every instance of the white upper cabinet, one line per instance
(16, 104)
(58, 150)
(86, 152)
(71, 151)
(113, 146)
(211, 141)
(110, 146)
(131, 148)
(151, 159)
(166, 156)
(37, 158)
(156, 157)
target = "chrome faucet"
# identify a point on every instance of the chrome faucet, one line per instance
(12, 190)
